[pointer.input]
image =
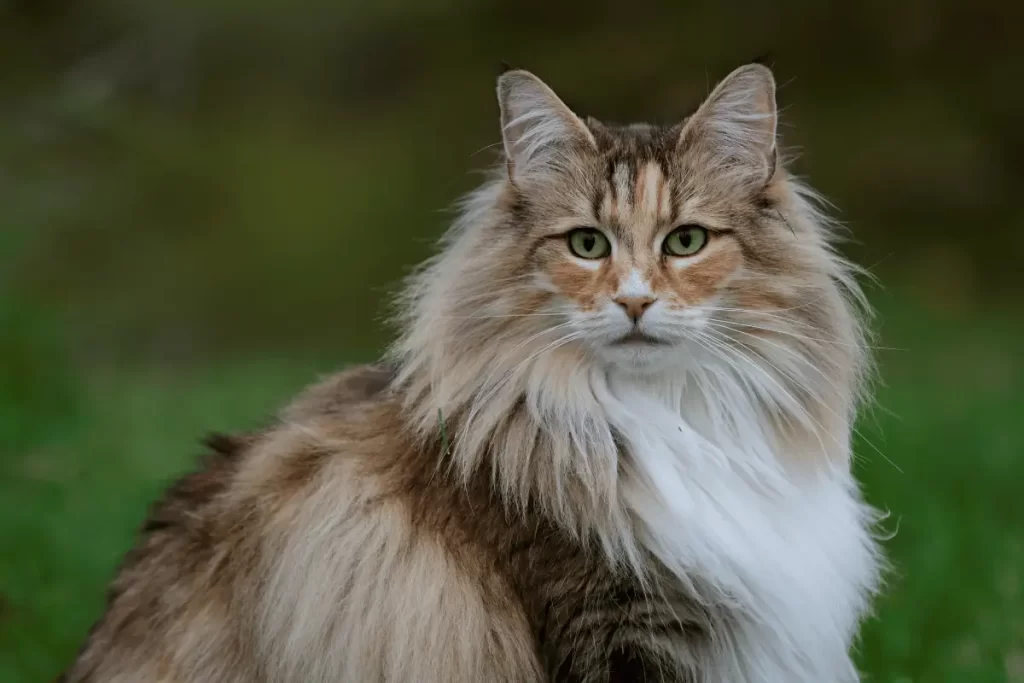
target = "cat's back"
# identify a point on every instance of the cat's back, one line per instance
(291, 553)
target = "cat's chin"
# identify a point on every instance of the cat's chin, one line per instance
(641, 357)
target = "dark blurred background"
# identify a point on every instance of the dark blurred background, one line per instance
(206, 203)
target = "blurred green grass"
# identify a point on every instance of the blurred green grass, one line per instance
(947, 417)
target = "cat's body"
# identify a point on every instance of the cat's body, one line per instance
(533, 490)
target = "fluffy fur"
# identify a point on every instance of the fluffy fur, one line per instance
(634, 467)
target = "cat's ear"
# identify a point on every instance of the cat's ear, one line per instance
(736, 124)
(537, 128)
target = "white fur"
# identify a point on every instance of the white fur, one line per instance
(634, 285)
(711, 500)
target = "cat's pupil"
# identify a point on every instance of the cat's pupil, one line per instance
(589, 241)
(685, 240)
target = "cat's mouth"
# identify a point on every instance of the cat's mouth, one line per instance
(637, 338)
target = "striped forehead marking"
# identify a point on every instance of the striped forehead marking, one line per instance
(636, 196)
(651, 192)
(622, 182)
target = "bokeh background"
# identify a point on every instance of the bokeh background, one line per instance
(204, 204)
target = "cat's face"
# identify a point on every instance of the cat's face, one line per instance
(640, 237)
(634, 263)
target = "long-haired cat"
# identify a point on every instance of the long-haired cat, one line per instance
(612, 443)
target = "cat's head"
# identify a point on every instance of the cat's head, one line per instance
(635, 247)
(637, 233)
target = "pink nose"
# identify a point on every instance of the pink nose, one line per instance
(635, 305)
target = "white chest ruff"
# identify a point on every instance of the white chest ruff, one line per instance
(790, 555)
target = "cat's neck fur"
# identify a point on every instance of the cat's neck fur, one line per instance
(687, 468)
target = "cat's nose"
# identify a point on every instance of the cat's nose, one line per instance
(635, 305)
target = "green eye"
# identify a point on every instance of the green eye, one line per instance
(589, 243)
(685, 241)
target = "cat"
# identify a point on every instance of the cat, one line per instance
(611, 444)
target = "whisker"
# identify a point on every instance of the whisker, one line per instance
(497, 386)
(746, 327)
(853, 427)
(823, 404)
(506, 315)
(722, 353)
(789, 333)
(793, 353)
(520, 345)
(725, 349)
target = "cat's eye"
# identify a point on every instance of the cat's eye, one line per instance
(589, 243)
(686, 240)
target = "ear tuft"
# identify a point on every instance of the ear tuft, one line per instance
(737, 123)
(537, 128)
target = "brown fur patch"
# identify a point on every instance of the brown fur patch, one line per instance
(700, 281)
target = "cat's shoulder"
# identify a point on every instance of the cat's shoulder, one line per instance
(327, 429)
(335, 394)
